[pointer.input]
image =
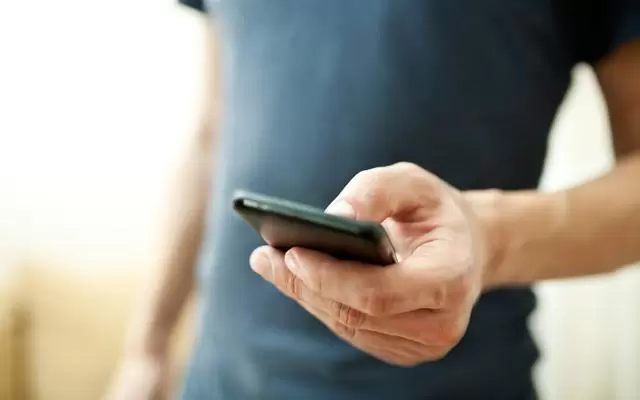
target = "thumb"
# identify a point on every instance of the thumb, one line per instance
(385, 192)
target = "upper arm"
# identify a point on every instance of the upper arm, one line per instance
(207, 71)
(617, 67)
(619, 78)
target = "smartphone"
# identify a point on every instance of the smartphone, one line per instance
(284, 224)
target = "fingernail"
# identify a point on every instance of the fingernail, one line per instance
(261, 264)
(341, 208)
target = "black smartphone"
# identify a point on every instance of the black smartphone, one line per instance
(284, 224)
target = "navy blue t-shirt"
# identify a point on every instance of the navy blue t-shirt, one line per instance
(315, 91)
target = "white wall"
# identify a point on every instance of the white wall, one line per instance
(96, 99)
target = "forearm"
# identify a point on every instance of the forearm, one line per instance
(590, 229)
(171, 282)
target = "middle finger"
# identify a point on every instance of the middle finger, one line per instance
(423, 326)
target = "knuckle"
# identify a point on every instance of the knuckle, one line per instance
(292, 285)
(452, 289)
(367, 188)
(349, 316)
(367, 176)
(425, 184)
(374, 179)
(405, 166)
(344, 331)
(376, 185)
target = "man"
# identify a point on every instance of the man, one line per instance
(428, 116)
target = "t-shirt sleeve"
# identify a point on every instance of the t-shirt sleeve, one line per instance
(195, 4)
(614, 23)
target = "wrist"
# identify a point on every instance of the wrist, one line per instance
(522, 229)
(486, 206)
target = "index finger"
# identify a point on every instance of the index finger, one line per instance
(383, 192)
(377, 291)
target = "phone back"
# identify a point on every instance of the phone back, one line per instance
(283, 226)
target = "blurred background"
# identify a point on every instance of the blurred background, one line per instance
(96, 101)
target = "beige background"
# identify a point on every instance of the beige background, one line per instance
(95, 103)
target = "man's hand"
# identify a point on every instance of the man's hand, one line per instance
(406, 313)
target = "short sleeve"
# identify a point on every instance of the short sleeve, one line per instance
(614, 22)
(195, 4)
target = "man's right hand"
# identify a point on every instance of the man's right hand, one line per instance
(141, 377)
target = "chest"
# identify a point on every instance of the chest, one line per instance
(426, 80)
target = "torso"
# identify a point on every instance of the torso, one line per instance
(316, 91)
